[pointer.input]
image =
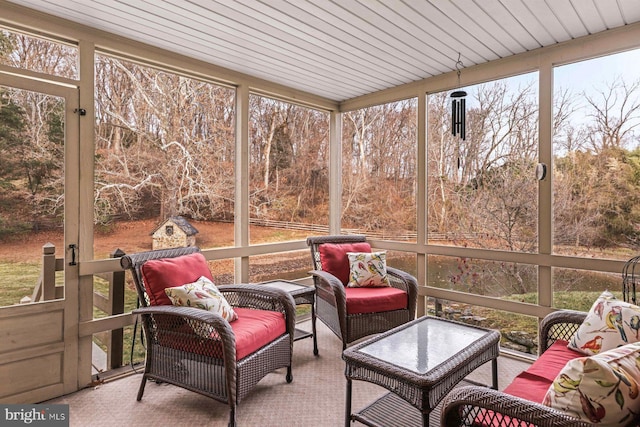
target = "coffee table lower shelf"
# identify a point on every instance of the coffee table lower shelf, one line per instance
(389, 410)
(300, 334)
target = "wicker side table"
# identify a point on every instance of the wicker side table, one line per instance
(301, 295)
(419, 363)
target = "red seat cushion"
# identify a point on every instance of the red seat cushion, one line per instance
(159, 274)
(551, 362)
(375, 300)
(531, 384)
(256, 328)
(334, 259)
(528, 386)
(253, 330)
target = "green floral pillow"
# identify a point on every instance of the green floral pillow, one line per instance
(601, 389)
(609, 324)
(367, 270)
(202, 294)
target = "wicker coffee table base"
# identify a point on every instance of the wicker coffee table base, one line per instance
(389, 410)
(415, 393)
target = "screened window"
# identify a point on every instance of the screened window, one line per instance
(165, 147)
(482, 191)
(379, 147)
(288, 170)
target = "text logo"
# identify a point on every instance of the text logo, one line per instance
(34, 415)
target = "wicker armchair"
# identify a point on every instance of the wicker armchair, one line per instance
(479, 406)
(196, 349)
(332, 300)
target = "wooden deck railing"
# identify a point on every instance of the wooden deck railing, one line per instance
(46, 289)
(113, 303)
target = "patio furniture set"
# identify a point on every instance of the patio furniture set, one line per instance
(220, 341)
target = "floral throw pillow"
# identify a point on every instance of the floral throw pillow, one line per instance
(602, 389)
(367, 270)
(609, 324)
(202, 294)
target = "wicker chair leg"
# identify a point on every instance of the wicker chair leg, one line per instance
(232, 418)
(315, 333)
(289, 374)
(141, 389)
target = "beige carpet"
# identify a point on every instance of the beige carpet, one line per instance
(316, 397)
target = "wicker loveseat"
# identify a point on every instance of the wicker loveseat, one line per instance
(480, 406)
(201, 350)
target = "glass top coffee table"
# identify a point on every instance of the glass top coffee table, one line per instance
(419, 363)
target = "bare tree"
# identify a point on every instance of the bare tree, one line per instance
(39, 150)
(166, 144)
(482, 190)
(615, 113)
(379, 162)
(288, 157)
(566, 136)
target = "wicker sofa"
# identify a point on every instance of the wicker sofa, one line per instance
(481, 406)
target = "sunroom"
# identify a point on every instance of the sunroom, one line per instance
(263, 123)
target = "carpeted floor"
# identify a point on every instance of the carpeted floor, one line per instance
(315, 398)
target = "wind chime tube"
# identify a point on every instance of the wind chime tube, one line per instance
(454, 113)
(459, 115)
(463, 124)
(458, 105)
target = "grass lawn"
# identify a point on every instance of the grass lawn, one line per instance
(18, 281)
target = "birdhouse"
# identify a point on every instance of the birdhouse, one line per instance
(174, 232)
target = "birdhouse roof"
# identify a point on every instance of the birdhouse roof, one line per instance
(181, 222)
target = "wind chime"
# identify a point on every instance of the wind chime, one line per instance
(458, 120)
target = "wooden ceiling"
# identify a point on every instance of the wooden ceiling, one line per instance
(342, 49)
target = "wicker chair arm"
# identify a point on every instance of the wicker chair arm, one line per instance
(187, 312)
(478, 406)
(403, 280)
(262, 298)
(190, 313)
(559, 325)
(329, 283)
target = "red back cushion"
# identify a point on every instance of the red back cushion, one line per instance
(159, 274)
(334, 260)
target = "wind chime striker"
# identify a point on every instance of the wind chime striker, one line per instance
(458, 119)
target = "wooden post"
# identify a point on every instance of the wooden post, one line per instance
(48, 272)
(116, 298)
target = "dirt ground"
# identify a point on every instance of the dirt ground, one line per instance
(135, 236)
